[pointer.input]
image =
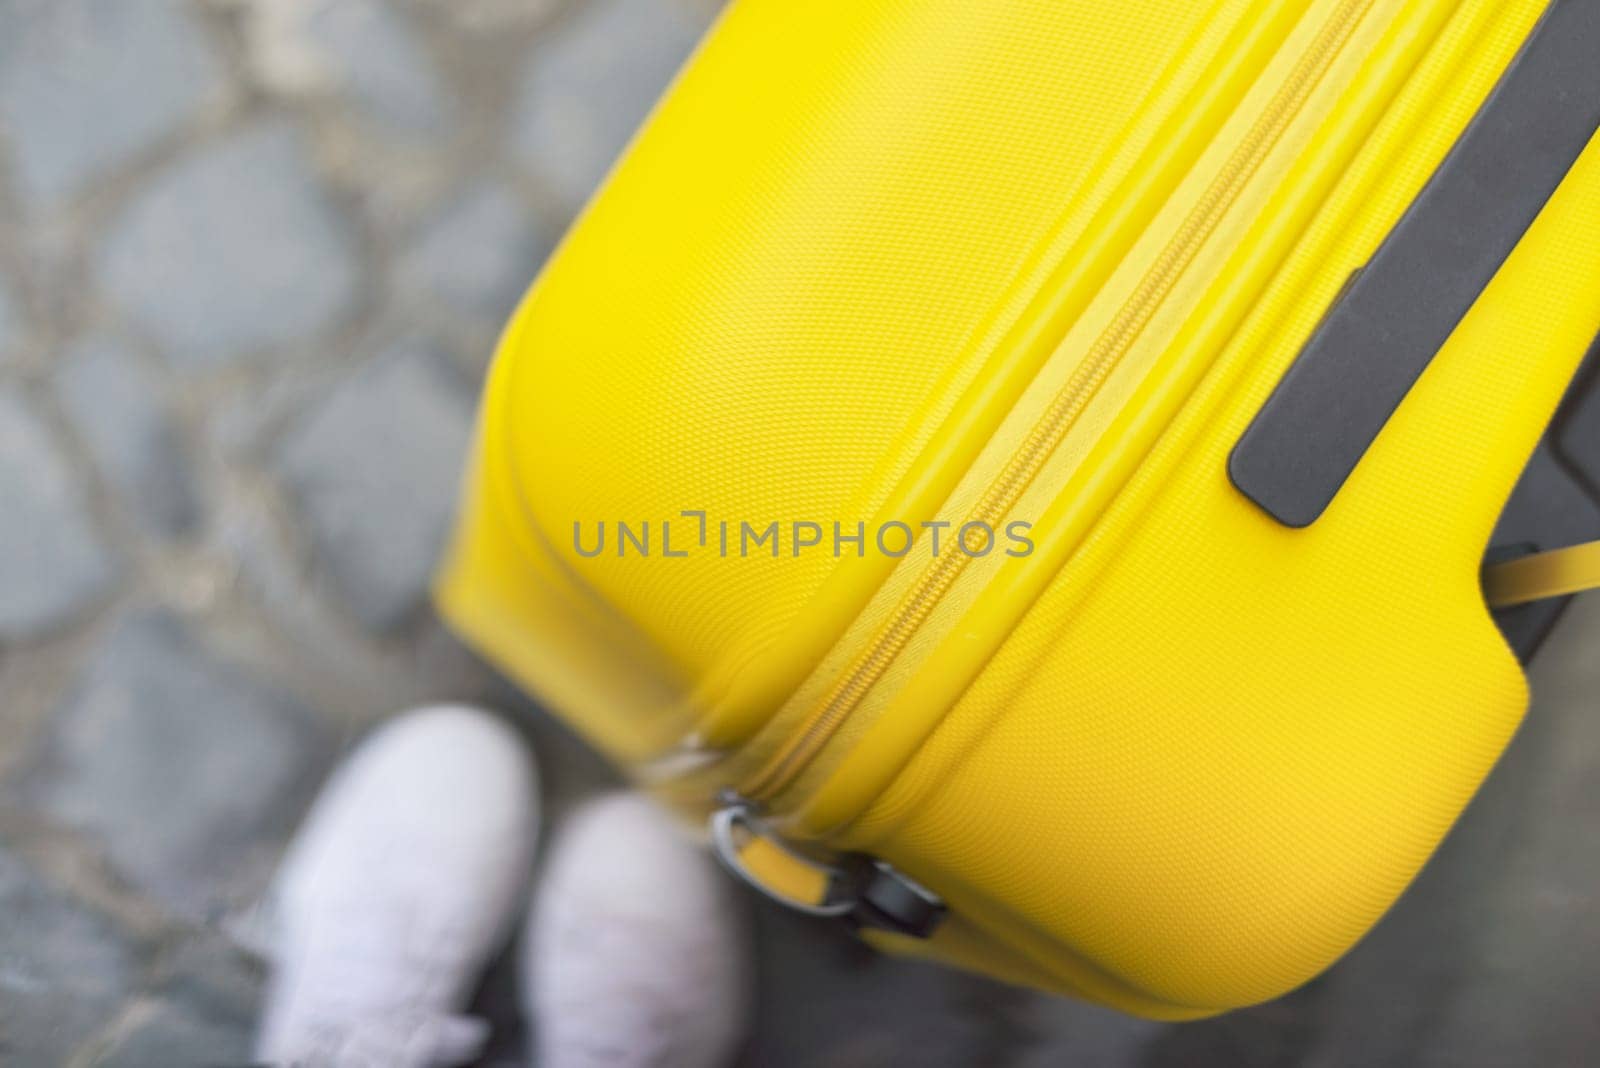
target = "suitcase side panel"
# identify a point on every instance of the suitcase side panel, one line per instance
(1180, 771)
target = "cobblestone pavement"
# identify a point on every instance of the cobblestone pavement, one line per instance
(253, 257)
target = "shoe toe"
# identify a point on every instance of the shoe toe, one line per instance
(636, 954)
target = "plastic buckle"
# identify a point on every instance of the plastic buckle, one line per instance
(889, 900)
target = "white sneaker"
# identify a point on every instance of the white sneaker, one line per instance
(636, 952)
(395, 893)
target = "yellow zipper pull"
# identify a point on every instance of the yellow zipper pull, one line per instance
(864, 891)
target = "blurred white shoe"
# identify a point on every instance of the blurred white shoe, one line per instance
(395, 893)
(636, 954)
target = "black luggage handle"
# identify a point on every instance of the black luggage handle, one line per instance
(1397, 312)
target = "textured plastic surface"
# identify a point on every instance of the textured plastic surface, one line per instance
(1178, 757)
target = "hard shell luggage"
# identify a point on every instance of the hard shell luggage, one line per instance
(1022, 470)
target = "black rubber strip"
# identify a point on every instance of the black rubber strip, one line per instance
(1396, 314)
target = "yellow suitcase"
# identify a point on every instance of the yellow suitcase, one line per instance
(1021, 469)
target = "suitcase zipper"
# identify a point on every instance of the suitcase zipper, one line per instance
(1061, 414)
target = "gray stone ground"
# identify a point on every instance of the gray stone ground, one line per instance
(253, 256)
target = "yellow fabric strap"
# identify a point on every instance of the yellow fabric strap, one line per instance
(782, 873)
(1557, 573)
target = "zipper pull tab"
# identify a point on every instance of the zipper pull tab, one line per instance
(861, 890)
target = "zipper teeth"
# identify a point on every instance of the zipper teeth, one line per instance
(1102, 358)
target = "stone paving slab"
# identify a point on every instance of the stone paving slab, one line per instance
(585, 90)
(117, 408)
(53, 563)
(88, 85)
(232, 251)
(476, 255)
(8, 320)
(253, 256)
(64, 968)
(374, 467)
(183, 767)
(370, 53)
